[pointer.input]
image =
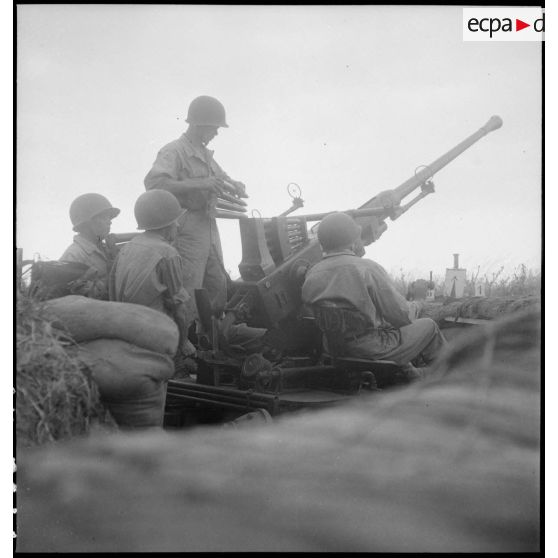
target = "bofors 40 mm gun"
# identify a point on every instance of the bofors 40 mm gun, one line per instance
(276, 254)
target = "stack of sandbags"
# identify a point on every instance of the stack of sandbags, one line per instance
(55, 396)
(129, 349)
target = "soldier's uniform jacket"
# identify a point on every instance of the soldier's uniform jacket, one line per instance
(362, 285)
(198, 241)
(148, 271)
(180, 159)
(96, 257)
(393, 331)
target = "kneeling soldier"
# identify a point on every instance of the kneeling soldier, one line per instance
(148, 270)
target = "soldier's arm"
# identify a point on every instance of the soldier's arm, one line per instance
(167, 174)
(91, 283)
(73, 254)
(239, 187)
(391, 304)
(176, 298)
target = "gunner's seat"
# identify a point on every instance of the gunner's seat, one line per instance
(338, 325)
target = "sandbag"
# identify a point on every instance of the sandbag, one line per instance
(131, 380)
(141, 412)
(86, 319)
(124, 371)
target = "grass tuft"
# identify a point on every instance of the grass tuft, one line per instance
(55, 395)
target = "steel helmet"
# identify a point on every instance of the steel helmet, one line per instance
(206, 111)
(87, 206)
(156, 209)
(337, 230)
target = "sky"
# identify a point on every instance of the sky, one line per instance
(344, 101)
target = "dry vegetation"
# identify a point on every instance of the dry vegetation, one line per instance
(521, 281)
(55, 397)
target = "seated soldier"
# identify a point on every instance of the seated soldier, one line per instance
(148, 269)
(382, 325)
(91, 216)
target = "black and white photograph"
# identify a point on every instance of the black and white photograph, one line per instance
(278, 278)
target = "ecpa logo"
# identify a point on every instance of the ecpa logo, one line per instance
(503, 24)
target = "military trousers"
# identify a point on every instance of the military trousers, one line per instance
(420, 338)
(249, 339)
(199, 246)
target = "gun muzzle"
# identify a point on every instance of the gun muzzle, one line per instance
(493, 123)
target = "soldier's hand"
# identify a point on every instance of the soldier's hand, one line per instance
(358, 248)
(93, 288)
(211, 184)
(187, 349)
(416, 308)
(235, 187)
(241, 188)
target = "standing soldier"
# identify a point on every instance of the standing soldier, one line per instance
(186, 168)
(148, 270)
(91, 216)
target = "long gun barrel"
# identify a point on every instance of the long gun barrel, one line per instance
(372, 214)
(428, 172)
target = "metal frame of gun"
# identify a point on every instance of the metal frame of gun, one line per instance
(295, 192)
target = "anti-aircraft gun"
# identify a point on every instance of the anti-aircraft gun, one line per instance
(276, 254)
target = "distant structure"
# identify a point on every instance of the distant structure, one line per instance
(430, 294)
(454, 284)
(480, 289)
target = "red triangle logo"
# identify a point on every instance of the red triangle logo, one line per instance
(519, 25)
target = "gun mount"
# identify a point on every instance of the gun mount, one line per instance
(277, 252)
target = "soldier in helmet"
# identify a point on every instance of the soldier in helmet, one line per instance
(381, 324)
(186, 168)
(148, 269)
(91, 216)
